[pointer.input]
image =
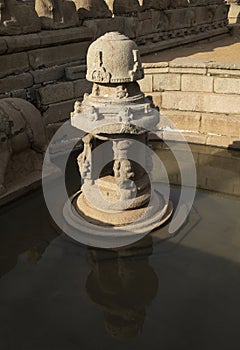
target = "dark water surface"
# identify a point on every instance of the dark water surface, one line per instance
(178, 293)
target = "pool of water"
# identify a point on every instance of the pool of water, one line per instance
(165, 292)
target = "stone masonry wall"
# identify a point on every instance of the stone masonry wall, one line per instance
(202, 99)
(47, 67)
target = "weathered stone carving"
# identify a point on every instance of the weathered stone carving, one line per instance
(123, 174)
(163, 22)
(126, 7)
(84, 159)
(100, 74)
(116, 187)
(121, 92)
(16, 17)
(103, 69)
(55, 14)
(125, 116)
(154, 4)
(21, 128)
(92, 9)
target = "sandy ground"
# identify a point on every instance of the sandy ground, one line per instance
(223, 50)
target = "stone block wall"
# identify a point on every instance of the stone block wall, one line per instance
(46, 67)
(166, 23)
(202, 99)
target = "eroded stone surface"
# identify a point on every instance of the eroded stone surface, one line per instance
(119, 7)
(55, 14)
(117, 193)
(92, 9)
(16, 17)
(114, 58)
(21, 129)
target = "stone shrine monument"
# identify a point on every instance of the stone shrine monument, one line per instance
(115, 163)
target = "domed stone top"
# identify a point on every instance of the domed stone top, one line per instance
(113, 58)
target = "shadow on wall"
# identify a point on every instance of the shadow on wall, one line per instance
(235, 145)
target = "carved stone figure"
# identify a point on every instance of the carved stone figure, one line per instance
(125, 116)
(121, 92)
(21, 128)
(77, 107)
(163, 23)
(123, 170)
(92, 9)
(124, 175)
(84, 159)
(16, 17)
(56, 14)
(119, 7)
(155, 4)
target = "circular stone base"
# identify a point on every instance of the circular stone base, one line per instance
(104, 233)
(114, 218)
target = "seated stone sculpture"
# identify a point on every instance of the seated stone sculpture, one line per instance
(92, 9)
(17, 17)
(154, 4)
(21, 129)
(120, 7)
(55, 14)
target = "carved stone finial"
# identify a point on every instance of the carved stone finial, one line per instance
(114, 58)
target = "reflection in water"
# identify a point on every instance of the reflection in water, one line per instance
(217, 169)
(24, 228)
(122, 284)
